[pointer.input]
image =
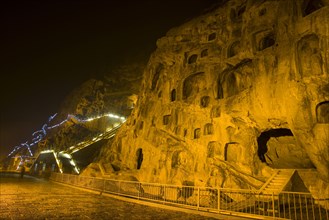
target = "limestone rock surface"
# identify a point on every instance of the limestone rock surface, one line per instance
(231, 95)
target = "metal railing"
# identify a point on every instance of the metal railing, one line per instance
(251, 203)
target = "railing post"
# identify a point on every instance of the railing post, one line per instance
(119, 186)
(164, 193)
(218, 199)
(273, 206)
(139, 189)
(104, 182)
(198, 205)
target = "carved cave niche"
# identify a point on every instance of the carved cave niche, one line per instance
(153, 123)
(263, 39)
(213, 149)
(234, 81)
(322, 112)
(212, 36)
(204, 102)
(166, 119)
(204, 53)
(173, 95)
(233, 49)
(233, 152)
(141, 125)
(265, 42)
(197, 133)
(193, 84)
(237, 13)
(310, 6)
(208, 129)
(309, 56)
(156, 76)
(232, 84)
(192, 59)
(139, 158)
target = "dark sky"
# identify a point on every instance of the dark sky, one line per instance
(50, 47)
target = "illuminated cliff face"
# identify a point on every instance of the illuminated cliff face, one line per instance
(232, 94)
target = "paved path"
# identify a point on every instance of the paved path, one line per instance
(31, 198)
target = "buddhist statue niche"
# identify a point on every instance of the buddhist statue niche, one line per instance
(235, 80)
(193, 85)
(322, 113)
(233, 49)
(309, 56)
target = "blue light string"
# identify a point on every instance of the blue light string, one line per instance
(40, 134)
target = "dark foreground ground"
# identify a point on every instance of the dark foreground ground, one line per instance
(32, 198)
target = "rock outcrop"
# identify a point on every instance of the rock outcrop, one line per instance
(231, 95)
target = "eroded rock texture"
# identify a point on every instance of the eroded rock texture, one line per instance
(231, 95)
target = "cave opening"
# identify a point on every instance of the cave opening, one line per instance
(265, 137)
(279, 149)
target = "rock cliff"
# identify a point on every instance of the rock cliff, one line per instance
(231, 95)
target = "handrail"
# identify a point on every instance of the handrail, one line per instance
(241, 202)
(105, 135)
(269, 180)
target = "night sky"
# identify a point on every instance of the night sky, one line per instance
(50, 47)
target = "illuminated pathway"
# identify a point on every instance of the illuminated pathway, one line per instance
(68, 153)
(40, 134)
(31, 198)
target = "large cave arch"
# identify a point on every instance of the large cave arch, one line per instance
(279, 149)
(193, 85)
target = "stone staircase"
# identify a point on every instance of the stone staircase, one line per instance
(278, 181)
(269, 191)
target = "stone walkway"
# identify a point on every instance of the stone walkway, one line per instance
(32, 198)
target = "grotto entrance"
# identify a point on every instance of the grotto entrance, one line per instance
(278, 148)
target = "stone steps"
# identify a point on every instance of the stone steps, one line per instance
(277, 181)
